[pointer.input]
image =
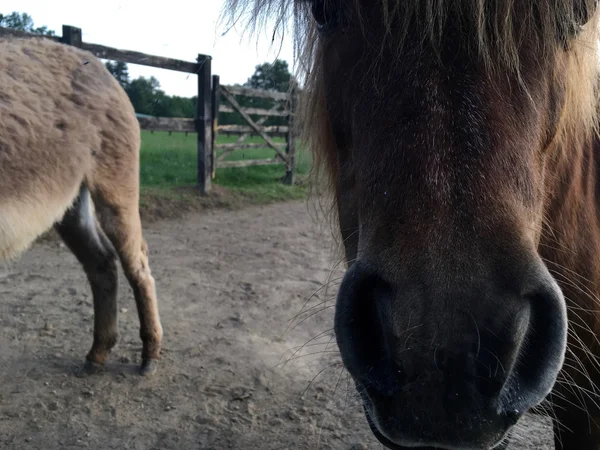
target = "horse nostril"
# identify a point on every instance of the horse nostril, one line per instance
(542, 351)
(363, 322)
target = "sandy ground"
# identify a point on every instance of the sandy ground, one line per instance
(232, 288)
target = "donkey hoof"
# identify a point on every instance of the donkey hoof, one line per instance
(149, 367)
(89, 368)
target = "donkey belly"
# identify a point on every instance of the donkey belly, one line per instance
(22, 220)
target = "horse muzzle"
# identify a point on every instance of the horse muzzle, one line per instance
(454, 371)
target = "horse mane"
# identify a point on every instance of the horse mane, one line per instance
(501, 25)
(500, 28)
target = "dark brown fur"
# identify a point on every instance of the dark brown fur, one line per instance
(459, 139)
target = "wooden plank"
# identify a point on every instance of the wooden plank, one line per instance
(249, 162)
(253, 111)
(251, 122)
(225, 153)
(143, 59)
(243, 129)
(236, 146)
(104, 52)
(10, 33)
(71, 35)
(260, 93)
(167, 124)
(290, 163)
(204, 124)
(244, 136)
(215, 98)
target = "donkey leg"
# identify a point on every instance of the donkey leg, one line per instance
(123, 227)
(90, 246)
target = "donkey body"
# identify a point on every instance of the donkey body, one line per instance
(69, 158)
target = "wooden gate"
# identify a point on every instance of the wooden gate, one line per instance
(285, 106)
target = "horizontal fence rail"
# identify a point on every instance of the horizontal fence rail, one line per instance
(255, 111)
(242, 129)
(143, 59)
(258, 93)
(250, 162)
(101, 51)
(167, 124)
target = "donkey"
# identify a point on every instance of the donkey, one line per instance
(459, 141)
(69, 159)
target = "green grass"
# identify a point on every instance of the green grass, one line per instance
(170, 161)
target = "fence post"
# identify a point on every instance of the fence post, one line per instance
(290, 164)
(71, 35)
(216, 97)
(203, 124)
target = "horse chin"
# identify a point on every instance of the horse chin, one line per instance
(382, 438)
(390, 444)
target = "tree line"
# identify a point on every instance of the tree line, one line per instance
(23, 22)
(148, 98)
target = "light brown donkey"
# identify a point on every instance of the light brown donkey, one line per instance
(69, 158)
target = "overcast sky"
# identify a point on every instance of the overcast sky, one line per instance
(175, 28)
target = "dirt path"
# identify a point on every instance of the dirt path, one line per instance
(229, 283)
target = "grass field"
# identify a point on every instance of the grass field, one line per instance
(170, 161)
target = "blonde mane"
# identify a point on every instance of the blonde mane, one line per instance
(501, 27)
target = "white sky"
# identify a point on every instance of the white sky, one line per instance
(175, 28)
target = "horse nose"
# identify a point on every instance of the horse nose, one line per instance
(469, 364)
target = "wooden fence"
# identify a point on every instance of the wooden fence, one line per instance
(285, 105)
(207, 108)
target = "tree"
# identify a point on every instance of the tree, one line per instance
(23, 22)
(182, 107)
(269, 76)
(147, 98)
(120, 72)
(143, 93)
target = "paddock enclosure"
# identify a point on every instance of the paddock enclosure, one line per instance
(230, 284)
